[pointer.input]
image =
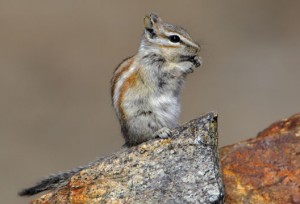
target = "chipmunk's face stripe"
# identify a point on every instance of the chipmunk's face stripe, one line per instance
(163, 40)
(183, 39)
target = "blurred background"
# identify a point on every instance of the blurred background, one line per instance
(57, 58)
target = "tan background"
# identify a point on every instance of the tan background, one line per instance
(57, 58)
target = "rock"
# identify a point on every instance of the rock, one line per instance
(181, 169)
(184, 169)
(265, 169)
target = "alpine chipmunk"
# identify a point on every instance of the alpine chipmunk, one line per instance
(145, 89)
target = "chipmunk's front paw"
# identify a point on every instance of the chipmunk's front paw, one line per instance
(195, 61)
(163, 133)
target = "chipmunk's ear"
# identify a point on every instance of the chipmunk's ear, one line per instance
(152, 23)
(148, 23)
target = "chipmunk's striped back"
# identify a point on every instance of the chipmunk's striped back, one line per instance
(122, 80)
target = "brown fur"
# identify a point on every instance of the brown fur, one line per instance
(130, 82)
(124, 67)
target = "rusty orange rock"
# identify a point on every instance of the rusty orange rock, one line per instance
(265, 169)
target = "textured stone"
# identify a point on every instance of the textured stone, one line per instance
(265, 169)
(181, 169)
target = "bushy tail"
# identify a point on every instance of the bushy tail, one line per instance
(52, 182)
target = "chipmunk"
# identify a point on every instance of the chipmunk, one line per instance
(145, 89)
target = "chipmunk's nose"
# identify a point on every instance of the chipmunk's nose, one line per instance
(195, 48)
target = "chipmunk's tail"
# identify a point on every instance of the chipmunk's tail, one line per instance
(52, 182)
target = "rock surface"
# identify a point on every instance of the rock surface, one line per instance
(265, 169)
(184, 169)
(181, 169)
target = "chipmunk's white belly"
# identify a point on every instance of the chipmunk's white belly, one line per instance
(166, 109)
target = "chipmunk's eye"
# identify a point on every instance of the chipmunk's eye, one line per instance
(174, 38)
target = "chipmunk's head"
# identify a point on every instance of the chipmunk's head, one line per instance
(166, 38)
